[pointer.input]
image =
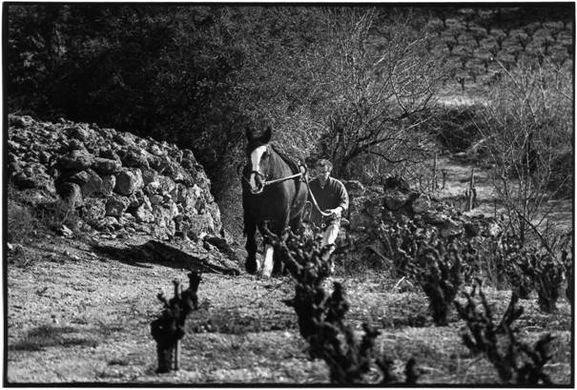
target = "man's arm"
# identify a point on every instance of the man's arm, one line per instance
(343, 200)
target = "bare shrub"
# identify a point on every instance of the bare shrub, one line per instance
(515, 361)
(528, 127)
(439, 265)
(168, 328)
(438, 270)
(321, 316)
(21, 223)
(546, 273)
(376, 74)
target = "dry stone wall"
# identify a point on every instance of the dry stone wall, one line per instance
(396, 203)
(114, 180)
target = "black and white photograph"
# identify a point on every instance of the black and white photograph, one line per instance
(288, 194)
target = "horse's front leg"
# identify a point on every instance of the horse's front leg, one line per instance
(250, 231)
(265, 266)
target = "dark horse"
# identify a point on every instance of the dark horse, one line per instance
(273, 192)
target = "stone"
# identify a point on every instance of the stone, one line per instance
(109, 154)
(20, 121)
(44, 157)
(135, 158)
(144, 213)
(111, 223)
(201, 224)
(79, 178)
(451, 228)
(116, 205)
(166, 185)
(396, 182)
(395, 200)
(149, 176)
(13, 147)
(106, 166)
(434, 219)
(421, 204)
(93, 185)
(108, 184)
(156, 199)
(75, 144)
(136, 199)
(78, 132)
(120, 139)
(76, 160)
(71, 194)
(156, 150)
(94, 209)
(22, 181)
(128, 181)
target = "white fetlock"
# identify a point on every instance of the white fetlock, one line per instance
(267, 264)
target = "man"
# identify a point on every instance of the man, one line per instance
(331, 197)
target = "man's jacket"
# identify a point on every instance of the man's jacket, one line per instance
(333, 195)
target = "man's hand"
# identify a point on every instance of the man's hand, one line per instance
(336, 213)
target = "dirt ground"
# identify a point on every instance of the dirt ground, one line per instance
(76, 316)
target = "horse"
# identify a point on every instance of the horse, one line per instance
(274, 195)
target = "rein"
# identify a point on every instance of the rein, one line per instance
(314, 201)
(274, 181)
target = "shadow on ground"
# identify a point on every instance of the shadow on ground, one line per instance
(158, 253)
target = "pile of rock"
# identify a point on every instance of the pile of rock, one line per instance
(395, 202)
(114, 180)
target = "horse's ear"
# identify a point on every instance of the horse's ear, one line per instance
(267, 135)
(249, 135)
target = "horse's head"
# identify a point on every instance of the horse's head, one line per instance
(258, 153)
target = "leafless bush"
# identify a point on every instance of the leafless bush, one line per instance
(515, 361)
(377, 75)
(527, 126)
(168, 328)
(439, 265)
(321, 316)
(438, 270)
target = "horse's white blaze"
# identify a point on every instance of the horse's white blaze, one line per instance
(268, 261)
(255, 157)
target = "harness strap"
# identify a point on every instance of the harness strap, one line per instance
(268, 182)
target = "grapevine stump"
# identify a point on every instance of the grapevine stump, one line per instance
(168, 328)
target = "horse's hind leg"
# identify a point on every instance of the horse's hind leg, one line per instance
(250, 265)
(278, 261)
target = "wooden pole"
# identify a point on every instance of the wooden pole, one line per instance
(471, 189)
(434, 184)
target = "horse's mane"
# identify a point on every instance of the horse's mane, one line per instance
(293, 163)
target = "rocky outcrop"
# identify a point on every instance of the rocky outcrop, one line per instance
(114, 180)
